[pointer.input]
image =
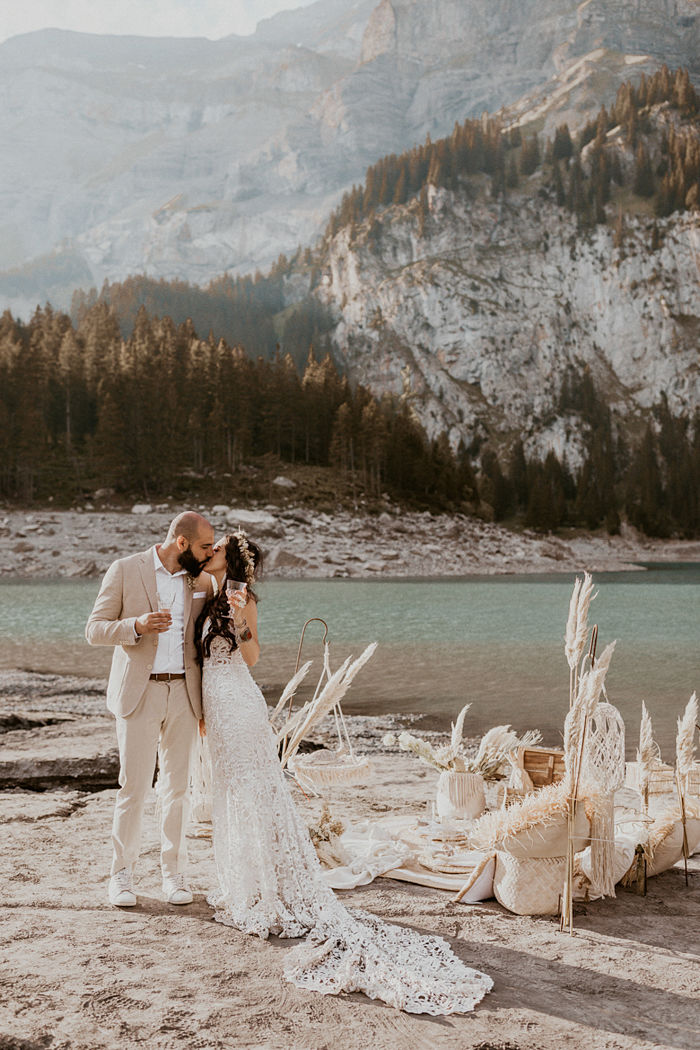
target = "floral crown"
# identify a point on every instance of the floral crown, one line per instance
(246, 555)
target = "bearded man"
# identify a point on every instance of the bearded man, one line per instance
(146, 609)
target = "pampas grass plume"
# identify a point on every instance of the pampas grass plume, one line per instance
(648, 754)
(577, 623)
(685, 738)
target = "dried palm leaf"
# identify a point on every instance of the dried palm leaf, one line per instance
(685, 738)
(538, 809)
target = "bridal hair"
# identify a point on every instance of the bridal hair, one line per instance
(244, 561)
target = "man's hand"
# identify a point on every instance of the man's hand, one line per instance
(153, 623)
(202, 728)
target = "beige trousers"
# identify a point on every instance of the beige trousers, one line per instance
(162, 722)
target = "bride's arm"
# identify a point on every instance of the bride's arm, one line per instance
(247, 633)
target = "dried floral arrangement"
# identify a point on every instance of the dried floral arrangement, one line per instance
(491, 756)
(325, 836)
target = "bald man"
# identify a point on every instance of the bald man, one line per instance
(146, 609)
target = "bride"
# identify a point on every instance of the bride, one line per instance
(270, 879)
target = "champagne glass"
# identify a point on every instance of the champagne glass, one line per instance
(234, 587)
(165, 604)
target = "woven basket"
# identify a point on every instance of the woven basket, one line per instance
(323, 768)
(460, 795)
(529, 886)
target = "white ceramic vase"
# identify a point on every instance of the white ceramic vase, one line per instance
(460, 796)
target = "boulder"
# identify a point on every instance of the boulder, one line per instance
(278, 558)
(142, 508)
(259, 518)
(284, 483)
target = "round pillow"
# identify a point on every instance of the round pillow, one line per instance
(670, 850)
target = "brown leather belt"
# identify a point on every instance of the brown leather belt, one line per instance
(165, 677)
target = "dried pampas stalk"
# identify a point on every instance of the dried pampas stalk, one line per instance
(458, 727)
(647, 755)
(685, 738)
(447, 757)
(588, 693)
(290, 689)
(333, 692)
(577, 629)
(685, 755)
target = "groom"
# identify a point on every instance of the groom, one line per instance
(147, 607)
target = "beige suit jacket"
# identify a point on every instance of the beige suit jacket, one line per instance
(128, 591)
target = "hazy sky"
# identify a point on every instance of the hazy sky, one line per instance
(210, 18)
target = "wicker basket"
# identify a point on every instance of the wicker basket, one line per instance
(323, 768)
(529, 886)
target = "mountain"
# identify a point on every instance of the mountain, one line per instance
(507, 280)
(497, 302)
(191, 158)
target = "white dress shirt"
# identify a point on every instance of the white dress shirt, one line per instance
(170, 654)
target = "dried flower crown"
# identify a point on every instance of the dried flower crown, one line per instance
(246, 556)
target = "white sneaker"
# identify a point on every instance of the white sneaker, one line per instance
(176, 889)
(121, 892)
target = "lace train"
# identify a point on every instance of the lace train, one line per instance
(270, 880)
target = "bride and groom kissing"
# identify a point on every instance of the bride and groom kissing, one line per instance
(183, 645)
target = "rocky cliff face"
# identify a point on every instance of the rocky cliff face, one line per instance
(488, 308)
(187, 158)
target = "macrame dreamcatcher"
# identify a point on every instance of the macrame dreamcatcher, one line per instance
(602, 774)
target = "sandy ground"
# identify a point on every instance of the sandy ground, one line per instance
(79, 974)
(299, 543)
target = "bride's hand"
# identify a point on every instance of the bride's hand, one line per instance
(237, 600)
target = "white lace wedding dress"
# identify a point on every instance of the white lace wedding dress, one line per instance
(270, 879)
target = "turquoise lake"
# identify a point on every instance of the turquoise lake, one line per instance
(494, 641)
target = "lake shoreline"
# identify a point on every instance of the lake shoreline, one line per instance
(300, 544)
(84, 974)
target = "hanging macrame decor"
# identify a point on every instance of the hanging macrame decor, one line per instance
(602, 774)
(325, 767)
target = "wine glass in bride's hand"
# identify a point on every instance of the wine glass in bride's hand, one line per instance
(236, 594)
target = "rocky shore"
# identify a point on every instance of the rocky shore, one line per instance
(302, 543)
(81, 975)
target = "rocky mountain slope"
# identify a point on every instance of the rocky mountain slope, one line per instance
(487, 310)
(188, 158)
